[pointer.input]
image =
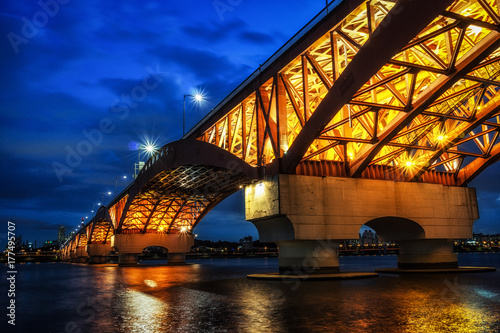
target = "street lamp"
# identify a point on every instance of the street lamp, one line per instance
(150, 148)
(198, 98)
(102, 197)
(116, 184)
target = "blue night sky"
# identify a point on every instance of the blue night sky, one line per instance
(66, 73)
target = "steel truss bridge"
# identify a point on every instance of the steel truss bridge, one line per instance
(393, 90)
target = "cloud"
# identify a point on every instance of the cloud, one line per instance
(256, 37)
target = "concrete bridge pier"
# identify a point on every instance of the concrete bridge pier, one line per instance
(81, 255)
(98, 253)
(427, 254)
(72, 256)
(129, 246)
(306, 216)
(176, 258)
(308, 257)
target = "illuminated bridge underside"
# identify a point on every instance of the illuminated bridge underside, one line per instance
(173, 193)
(389, 90)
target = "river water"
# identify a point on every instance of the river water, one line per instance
(215, 296)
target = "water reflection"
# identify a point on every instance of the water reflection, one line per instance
(215, 296)
(139, 312)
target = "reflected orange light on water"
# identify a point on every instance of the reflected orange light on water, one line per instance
(451, 311)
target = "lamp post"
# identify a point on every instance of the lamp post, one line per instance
(102, 197)
(116, 184)
(198, 98)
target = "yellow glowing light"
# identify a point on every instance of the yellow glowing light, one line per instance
(441, 137)
(409, 163)
(161, 228)
(184, 229)
(150, 283)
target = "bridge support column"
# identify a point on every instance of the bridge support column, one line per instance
(128, 259)
(308, 257)
(297, 212)
(81, 255)
(176, 258)
(426, 254)
(98, 253)
(129, 246)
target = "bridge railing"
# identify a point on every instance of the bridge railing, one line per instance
(322, 14)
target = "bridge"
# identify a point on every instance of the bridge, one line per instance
(376, 113)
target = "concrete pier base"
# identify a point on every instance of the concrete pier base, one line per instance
(127, 259)
(176, 258)
(129, 246)
(426, 254)
(81, 255)
(98, 253)
(298, 257)
(97, 260)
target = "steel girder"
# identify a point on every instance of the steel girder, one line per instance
(390, 90)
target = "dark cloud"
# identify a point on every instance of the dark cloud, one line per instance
(203, 64)
(256, 37)
(211, 32)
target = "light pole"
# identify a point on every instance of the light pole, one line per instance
(102, 198)
(198, 98)
(116, 184)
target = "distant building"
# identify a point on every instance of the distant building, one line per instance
(246, 244)
(368, 238)
(61, 235)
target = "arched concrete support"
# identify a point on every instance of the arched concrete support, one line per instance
(421, 217)
(391, 228)
(98, 253)
(129, 246)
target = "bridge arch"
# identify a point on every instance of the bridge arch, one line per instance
(392, 228)
(178, 186)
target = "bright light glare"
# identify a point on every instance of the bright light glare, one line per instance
(198, 97)
(475, 29)
(409, 163)
(109, 193)
(259, 189)
(183, 229)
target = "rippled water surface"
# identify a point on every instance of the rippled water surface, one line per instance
(215, 296)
